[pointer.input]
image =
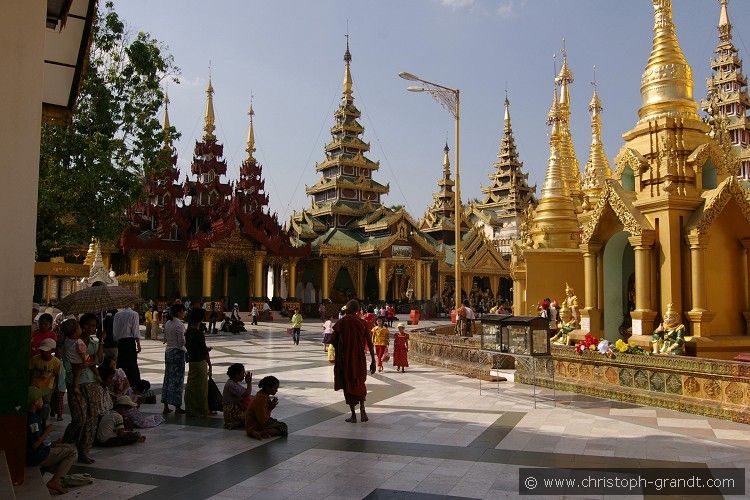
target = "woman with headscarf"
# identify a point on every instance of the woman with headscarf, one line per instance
(174, 360)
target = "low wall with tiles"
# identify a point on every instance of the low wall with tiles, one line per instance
(441, 347)
(713, 388)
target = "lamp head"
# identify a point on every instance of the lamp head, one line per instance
(408, 76)
(414, 88)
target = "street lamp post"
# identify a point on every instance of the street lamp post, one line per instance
(450, 99)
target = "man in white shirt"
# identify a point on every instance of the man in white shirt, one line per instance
(126, 332)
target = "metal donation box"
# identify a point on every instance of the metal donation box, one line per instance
(524, 335)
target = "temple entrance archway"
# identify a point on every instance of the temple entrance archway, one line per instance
(619, 276)
(343, 286)
(371, 284)
(239, 285)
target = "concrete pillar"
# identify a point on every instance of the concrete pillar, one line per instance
(208, 275)
(428, 280)
(182, 277)
(292, 289)
(325, 286)
(644, 315)
(258, 290)
(225, 280)
(361, 280)
(382, 277)
(162, 280)
(591, 315)
(418, 280)
(699, 316)
(22, 31)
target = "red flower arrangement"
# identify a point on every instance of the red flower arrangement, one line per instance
(589, 343)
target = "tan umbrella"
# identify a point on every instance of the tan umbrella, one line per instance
(96, 299)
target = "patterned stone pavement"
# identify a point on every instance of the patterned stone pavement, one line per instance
(431, 435)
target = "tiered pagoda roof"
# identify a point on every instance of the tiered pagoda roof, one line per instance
(439, 220)
(346, 190)
(508, 194)
(204, 211)
(728, 101)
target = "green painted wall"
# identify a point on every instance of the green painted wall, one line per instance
(619, 264)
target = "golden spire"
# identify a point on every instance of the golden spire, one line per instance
(555, 224)
(250, 133)
(725, 27)
(91, 253)
(507, 128)
(597, 167)
(210, 118)
(347, 72)
(667, 83)
(166, 126)
(446, 162)
(568, 158)
(554, 180)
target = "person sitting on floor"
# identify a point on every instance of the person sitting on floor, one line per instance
(258, 421)
(111, 430)
(236, 398)
(54, 457)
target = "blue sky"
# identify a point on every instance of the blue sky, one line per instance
(288, 53)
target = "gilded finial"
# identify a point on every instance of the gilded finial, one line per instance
(250, 132)
(347, 70)
(166, 126)
(725, 27)
(667, 82)
(446, 161)
(210, 119)
(506, 117)
(554, 180)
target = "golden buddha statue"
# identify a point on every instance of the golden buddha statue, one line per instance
(571, 301)
(669, 336)
(566, 324)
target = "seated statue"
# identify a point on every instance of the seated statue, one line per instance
(566, 324)
(669, 337)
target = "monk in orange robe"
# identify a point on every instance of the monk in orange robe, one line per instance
(350, 337)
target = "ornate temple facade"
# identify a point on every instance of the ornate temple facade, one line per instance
(727, 100)
(508, 196)
(671, 227)
(360, 248)
(206, 237)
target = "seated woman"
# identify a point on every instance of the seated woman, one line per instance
(120, 386)
(258, 421)
(236, 398)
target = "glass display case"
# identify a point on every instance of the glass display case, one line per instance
(522, 335)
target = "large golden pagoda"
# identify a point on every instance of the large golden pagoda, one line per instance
(671, 227)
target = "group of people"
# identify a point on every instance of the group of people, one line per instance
(102, 402)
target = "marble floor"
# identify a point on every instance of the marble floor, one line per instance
(431, 435)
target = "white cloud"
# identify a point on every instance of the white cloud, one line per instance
(510, 8)
(457, 4)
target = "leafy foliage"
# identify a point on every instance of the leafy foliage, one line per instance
(92, 169)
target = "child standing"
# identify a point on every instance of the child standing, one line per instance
(381, 339)
(296, 326)
(401, 349)
(44, 373)
(327, 332)
(258, 421)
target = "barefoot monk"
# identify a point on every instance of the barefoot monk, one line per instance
(350, 338)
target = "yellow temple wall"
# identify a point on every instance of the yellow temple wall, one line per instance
(547, 271)
(724, 280)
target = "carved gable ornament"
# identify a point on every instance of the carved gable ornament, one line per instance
(729, 189)
(629, 157)
(710, 151)
(631, 219)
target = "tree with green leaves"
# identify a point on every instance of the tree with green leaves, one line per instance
(92, 169)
